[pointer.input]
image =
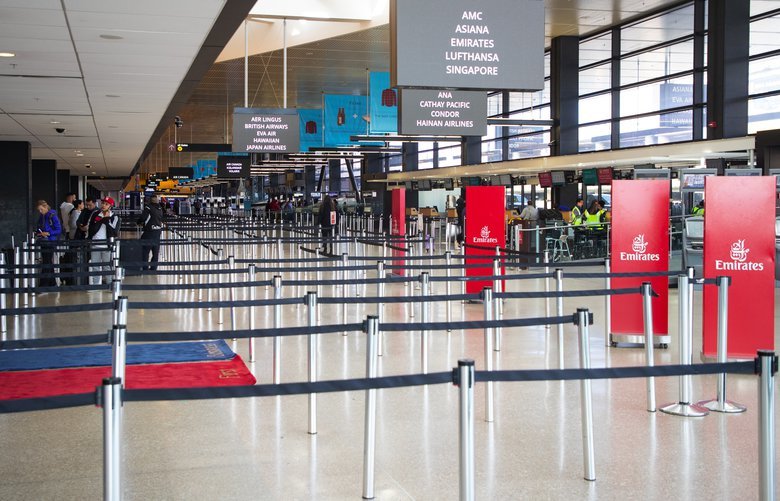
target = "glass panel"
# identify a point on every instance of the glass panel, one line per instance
(494, 104)
(657, 96)
(596, 79)
(657, 63)
(541, 113)
(449, 154)
(595, 137)
(761, 6)
(656, 129)
(522, 100)
(763, 114)
(764, 75)
(425, 156)
(597, 108)
(491, 145)
(530, 146)
(596, 49)
(668, 26)
(763, 34)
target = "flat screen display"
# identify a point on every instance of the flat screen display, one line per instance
(448, 184)
(424, 184)
(604, 175)
(177, 173)
(558, 177)
(545, 179)
(230, 167)
(693, 181)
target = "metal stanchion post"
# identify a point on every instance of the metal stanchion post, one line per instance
(380, 293)
(767, 365)
(344, 289)
(4, 284)
(369, 427)
(586, 404)
(559, 312)
(607, 304)
(684, 407)
(251, 295)
(647, 317)
(425, 283)
(232, 293)
(497, 301)
(311, 302)
(487, 300)
(119, 344)
(220, 310)
(448, 286)
(18, 270)
(111, 396)
(720, 404)
(546, 285)
(27, 282)
(277, 283)
(465, 372)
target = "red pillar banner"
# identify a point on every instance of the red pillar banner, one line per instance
(398, 226)
(485, 227)
(640, 243)
(739, 242)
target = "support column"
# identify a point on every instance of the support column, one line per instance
(564, 95)
(309, 180)
(471, 150)
(16, 204)
(44, 181)
(409, 154)
(334, 175)
(63, 188)
(728, 43)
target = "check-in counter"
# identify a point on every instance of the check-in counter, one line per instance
(693, 244)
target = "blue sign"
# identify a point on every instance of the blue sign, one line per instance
(344, 117)
(311, 128)
(205, 168)
(383, 104)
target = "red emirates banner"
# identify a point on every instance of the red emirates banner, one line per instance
(739, 242)
(485, 227)
(398, 227)
(640, 243)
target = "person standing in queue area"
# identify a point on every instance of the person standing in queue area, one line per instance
(152, 221)
(328, 218)
(48, 231)
(103, 224)
(460, 209)
(699, 209)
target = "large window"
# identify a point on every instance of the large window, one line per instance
(764, 69)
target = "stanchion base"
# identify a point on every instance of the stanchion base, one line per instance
(728, 406)
(684, 410)
(637, 340)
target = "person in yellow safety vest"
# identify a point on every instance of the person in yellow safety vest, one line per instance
(576, 213)
(699, 209)
(594, 216)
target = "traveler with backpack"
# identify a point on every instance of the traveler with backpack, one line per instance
(48, 231)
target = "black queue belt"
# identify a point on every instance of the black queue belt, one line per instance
(626, 274)
(385, 382)
(135, 305)
(575, 293)
(65, 274)
(285, 260)
(64, 308)
(208, 285)
(54, 342)
(449, 377)
(52, 288)
(504, 250)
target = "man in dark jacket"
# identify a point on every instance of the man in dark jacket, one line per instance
(103, 224)
(152, 221)
(327, 218)
(82, 223)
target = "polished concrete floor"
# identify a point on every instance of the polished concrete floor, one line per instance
(259, 448)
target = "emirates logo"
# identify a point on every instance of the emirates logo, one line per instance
(484, 237)
(485, 232)
(639, 245)
(738, 251)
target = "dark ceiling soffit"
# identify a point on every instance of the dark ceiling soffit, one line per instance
(231, 17)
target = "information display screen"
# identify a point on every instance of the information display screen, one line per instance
(693, 181)
(604, 175)
(179, 173)
(230, 167)
(261, 130)
(545, 179)
(558, 177)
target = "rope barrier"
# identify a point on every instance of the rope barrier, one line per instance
(66, 308)
(54, 342)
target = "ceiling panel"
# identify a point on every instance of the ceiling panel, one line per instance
(43, 95)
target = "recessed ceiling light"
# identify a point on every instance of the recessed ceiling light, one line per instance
(112, 95)
(113, 126)
(55, 122)
(79, 154)
(7, 54)
(94, 172)
(111, 37)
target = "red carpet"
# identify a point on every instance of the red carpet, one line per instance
(51, 382)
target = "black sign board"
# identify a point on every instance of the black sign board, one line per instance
(442, 112)
(230, 167)
(467, 44)
(202, 147)
(262, 130)
(179, 173)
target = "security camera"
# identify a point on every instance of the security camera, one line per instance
(178, 121)
(60, 130)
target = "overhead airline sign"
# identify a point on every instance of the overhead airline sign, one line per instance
(463, 44)
(259, 130)
(443, 112)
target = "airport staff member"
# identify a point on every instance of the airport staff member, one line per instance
(595, 216)
(699, 209)
(576, 213)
